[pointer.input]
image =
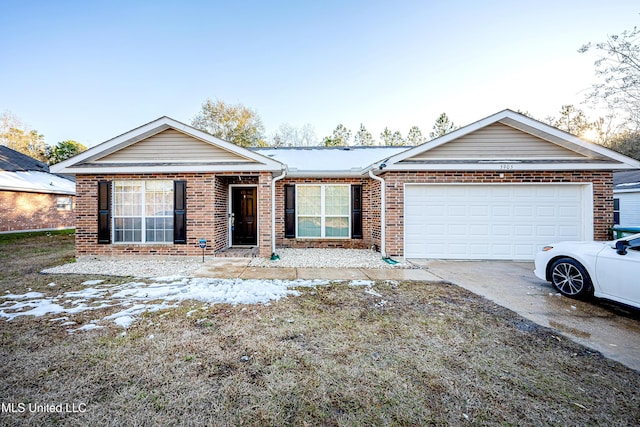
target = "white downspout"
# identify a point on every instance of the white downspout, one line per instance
(273, 210)
(383, 209)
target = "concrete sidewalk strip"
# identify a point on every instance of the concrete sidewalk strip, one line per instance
(222, 268)
(331, 273)
(233, 268)
(227, 262)
(269, 273)
(402, 274)
(228, 272)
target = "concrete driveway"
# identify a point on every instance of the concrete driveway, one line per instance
(609, 328)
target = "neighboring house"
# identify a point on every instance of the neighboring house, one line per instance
(31, 198)
(626, 198)
(500, 188)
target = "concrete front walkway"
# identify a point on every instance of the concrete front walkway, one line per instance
(232, 268)
(609, 328)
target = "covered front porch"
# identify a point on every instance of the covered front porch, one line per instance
(242, 215)
(238, 252)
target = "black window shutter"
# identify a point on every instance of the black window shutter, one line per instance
(104, 212)
(289, 211)
(180, 212)
(356, 211)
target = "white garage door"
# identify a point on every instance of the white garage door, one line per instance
(493, 221)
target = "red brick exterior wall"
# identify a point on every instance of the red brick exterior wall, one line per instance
(32, 211)
(208, 207)
(369, 217)
(207, 214)
(602, 194)
(264, 214)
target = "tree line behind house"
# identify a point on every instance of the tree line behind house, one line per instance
(243, 126)
(17, 135)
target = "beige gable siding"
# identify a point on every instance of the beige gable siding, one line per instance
(498, 141)
(172, 146)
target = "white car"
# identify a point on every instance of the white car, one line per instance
(608, 270)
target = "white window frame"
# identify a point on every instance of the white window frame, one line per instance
(143, 202)
(64, 203)
(323, 215)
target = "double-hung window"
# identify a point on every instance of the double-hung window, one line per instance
(323, 211)
(143, 211)
(64, 203)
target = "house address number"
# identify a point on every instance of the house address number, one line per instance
(507, 166)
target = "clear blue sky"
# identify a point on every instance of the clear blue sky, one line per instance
(92, 70)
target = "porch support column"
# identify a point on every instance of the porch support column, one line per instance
(264, 214)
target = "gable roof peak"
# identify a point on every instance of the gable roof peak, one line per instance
(88, 161)
(544, 132)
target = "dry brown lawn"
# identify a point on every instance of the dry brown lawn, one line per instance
(432, 355)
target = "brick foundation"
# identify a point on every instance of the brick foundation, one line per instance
(32, 211)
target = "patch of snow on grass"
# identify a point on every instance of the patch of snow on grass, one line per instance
(89, 327)
(124, 321)
(86, 293)
(92, 282)
(370, 291)
(361, 283)
(138, 297)
(38, 308)
(173, 278)
(23, 296)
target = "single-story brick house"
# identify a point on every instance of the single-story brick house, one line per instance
(31, 198)
(499, 188)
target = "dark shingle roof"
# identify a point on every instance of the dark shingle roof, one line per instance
(14, 161)
(626, 180)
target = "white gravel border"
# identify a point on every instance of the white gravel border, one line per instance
(327, 258)
(134, 267)
(187, 266)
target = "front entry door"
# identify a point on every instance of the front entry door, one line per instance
(243, 216)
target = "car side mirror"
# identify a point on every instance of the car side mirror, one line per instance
(621, 247)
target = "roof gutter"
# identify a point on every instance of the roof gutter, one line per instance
(273, 213)
(325, 174)
(37, 190)
(383, 209)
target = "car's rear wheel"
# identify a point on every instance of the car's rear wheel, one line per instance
(570, 278)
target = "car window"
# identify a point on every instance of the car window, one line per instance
(634, 244)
